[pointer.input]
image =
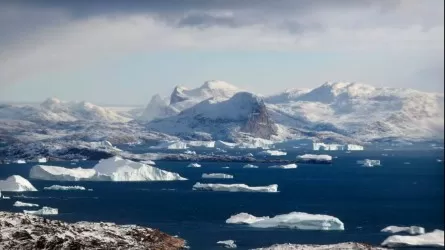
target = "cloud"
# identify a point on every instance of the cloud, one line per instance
(49, 36)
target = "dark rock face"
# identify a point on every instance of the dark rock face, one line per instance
(259, 124)
(21, 232)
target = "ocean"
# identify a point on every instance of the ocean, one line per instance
(408, 189)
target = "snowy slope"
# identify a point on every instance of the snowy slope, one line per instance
(157, 108)
(55, 110)
(243, 113)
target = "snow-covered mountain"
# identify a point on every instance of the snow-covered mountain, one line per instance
(54, 110)
(157, 108)
(243, 113)
(362, 111)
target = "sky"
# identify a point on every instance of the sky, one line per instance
(123, 52)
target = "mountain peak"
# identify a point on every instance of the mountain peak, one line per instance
(50, 102)
(217, 84)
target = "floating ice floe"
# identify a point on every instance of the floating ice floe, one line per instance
(369, 163)
(24, 204)
(194, 165)
(431, 239)
(250, 166)
(43, 211)
(293, 220)
(64, 188)
(314, 158)
(217, 176)
(42, 160)
(410, 230)
(339, 246)
(287, 166)
(272, 153)
(148, 162)
(112, 169)
(227, 243)
(6, 197)
(21, 161)
(16, 183)
(235, 188)
(189, 152)
(226, 167)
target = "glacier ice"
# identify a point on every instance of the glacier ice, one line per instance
(293, 220)
(111, 169)
(217, 176)
(311, 157)
(194, 165)
(250, 166)
(42, 160)
(287, 166)
(20, 161)
(369, 163)
(43, 211)
(235, 188)
(16, 183)
(24, 204)
(227, 243)
(272, 153)
(335, 147)
(410, 230)
(64, 188)
(431, 239)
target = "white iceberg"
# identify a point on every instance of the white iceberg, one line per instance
(293, 220)
(64, 188)
(171, 145)
(6, 197)
(21, 161)
(194, 165)
(42, 160)
(287, 166)
(431, 239)
(272, 153)
(235, 188)
(112, 169)
(335, 147)
(311, 157)
(43, 211)
(148, 162)
(189, 152)
(227, 243)
(410, 230)
(24, 204)
(226, 167)
(369, 163)
(217, 176)
(250, 166)
(16, 183)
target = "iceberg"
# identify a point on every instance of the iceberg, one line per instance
(227, 243)
(314, 158)
(293, 220)
(42, 160)
(369, 163)
(189, 152)
(16, 183)
(431, 239)
(111, 169)
(226, 167)
(410, 230)
(148, 162)
(194, 165)
(24, 204)
(171, 145)
(316, 146)
(287, 166)
(272, 153)
(43, 211)
(353, 147)
(21, 161)
(217, 176)
(250, 166)
(6, 197)
(235, 188)
(64, 188)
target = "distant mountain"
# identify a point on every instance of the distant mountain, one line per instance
(55, 110)
(157, 108)
(243, 113)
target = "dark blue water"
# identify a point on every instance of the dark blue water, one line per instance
(365, 199)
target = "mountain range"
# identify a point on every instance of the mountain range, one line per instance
(334, 111)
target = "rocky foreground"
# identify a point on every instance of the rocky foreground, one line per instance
(22, 231)
(340, 246)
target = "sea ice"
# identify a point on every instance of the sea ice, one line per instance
(287, 166)
(64, 188)
(272, 153)
(235, 188)
(43, 211)
(16, 183)
(410, 230)
(250, 166)
(194, 165)
(431, 239)
(24, 204)
(217, 176)
(293, 220)
(227, 243)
